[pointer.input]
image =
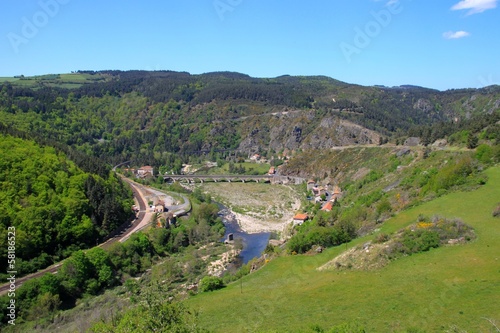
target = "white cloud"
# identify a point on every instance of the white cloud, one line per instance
(475, 6)
(455, 34)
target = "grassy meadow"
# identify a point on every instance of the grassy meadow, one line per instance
(67, 81)
(453, 288)
(251, 168)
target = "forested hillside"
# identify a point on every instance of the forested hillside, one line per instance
(55, 207)
(162, 117)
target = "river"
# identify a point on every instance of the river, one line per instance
(253, 244)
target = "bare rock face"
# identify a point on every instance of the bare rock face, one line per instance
(496, 106)
(413, 141)
(440, 143)
(327, 122)
(249, 144)
(302, 130)
(334, 132)
(424, 105)
(403, 152)
(285, 136)
(297, 134)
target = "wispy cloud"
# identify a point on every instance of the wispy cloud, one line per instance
(475, 6)
(455, 34)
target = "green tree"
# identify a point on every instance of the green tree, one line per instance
(484, 153)
(49, 283)
(75, 274)
(472, 141)
(211, 283)
(103, 267)
(45, 305)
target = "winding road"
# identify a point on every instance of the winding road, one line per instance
(141, 221)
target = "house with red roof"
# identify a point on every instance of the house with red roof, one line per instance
(145, 171)
(299, 219)
(327, 207)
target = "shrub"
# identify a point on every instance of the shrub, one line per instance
(270, 249)
(472, 141)
(211, 283)
(419, 240)
(369, 199)
(496, 211)
(484, 153)
(384, 206)
(381, 238)
(304, 240)
(429, 233)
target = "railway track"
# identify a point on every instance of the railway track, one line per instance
(4, 288)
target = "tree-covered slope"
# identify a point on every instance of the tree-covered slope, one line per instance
(160, 117)
(55, 207)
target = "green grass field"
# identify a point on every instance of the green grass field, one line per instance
(454, 287)
(67, 81)
(8, 79)
(259, 168)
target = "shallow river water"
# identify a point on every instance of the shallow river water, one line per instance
(253, 244)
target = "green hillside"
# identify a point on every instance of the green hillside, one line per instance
(55, 207)
(163, 118)
(455, 287)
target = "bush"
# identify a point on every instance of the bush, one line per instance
(211, 283)
(425, 235)
(496, 212)
(270, 249)
(384, 206)
(484, 153)
(304, 240)
(419, 240)
(381, 238)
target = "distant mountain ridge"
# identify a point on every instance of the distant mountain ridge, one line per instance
(148, 115)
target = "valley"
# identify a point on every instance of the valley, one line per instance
(337, 184)
(257, 207)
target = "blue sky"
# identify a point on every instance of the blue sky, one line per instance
(440, 44)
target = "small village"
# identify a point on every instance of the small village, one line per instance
(326, 195)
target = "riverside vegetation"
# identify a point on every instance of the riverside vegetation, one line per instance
(166, 119)
(176, 255)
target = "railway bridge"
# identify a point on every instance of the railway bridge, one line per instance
(272, 179)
